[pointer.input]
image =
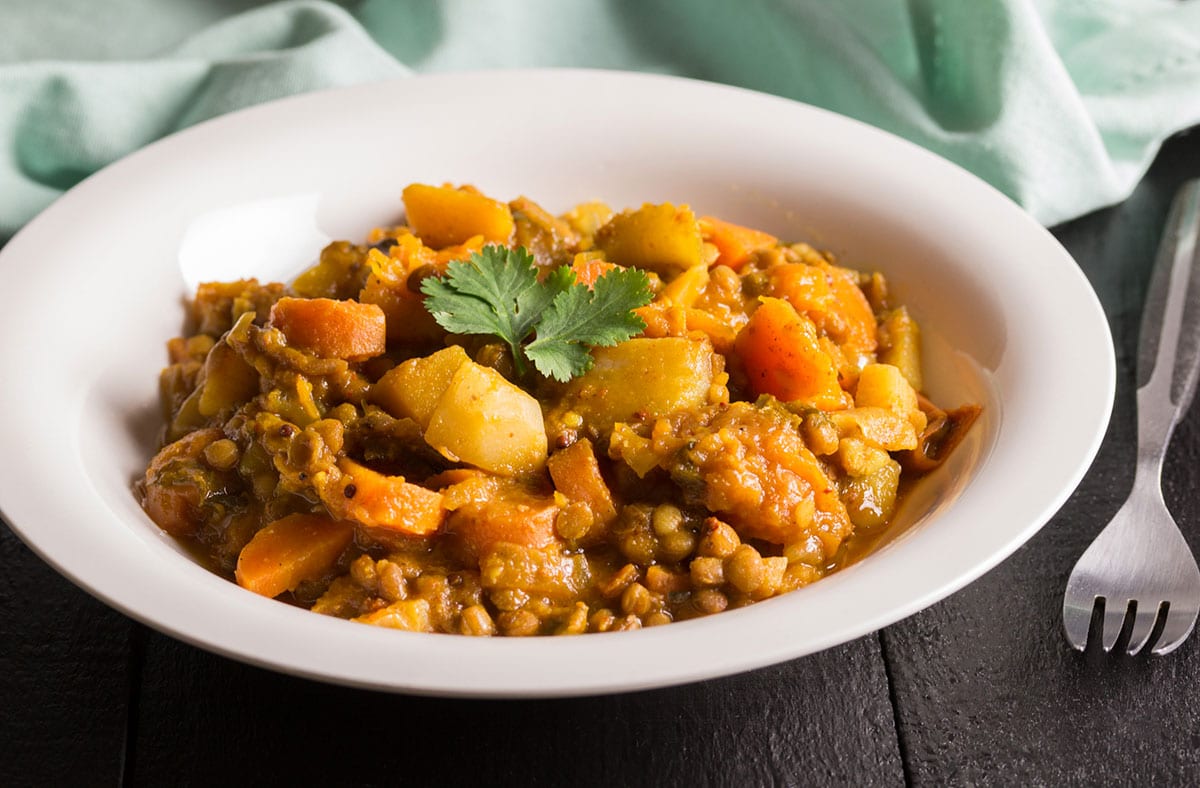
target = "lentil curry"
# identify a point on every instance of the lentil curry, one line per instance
(331, 444)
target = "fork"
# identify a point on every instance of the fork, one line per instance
(1140, 566)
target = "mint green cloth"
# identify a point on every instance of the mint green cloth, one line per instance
(1061, 104)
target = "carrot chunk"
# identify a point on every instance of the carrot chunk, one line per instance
(332, 329)
(589, 268)
(734, 242)
(289, 551)
(576, 474)
(378, 500)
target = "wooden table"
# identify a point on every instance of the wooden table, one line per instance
(978, 689)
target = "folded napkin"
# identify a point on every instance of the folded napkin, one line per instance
(1059, 104)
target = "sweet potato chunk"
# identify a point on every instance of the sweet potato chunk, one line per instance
(442, 216)
(291, 550)
(514, 517)
(851, 321)
(782, 356)
(332, 329)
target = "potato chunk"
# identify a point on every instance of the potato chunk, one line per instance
(660, 238)
(484, 420)
(644, 378)
(442, 216)
(885, 386)
(413, 389)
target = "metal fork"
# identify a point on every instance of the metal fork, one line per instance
(1140, 565)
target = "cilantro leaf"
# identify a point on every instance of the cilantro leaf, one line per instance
(483, 294)
(579, 317)
(497, 292)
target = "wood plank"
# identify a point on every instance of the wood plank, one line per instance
(64, 680)
(987, 688)
(206, 720)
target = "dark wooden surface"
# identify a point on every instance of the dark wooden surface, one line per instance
(980, 689)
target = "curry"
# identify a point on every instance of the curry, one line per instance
(491, 420)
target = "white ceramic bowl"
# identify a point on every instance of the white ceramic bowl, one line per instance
(96, 284)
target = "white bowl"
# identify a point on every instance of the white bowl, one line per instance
(96, 284)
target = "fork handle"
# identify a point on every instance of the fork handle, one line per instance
(1168, 360)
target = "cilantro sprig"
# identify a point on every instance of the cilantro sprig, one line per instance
(497, 292)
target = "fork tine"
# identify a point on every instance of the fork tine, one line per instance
(1114, 620)
(1179, 625)
(1077, 621)
(1143, 626)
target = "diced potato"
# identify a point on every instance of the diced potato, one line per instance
(644, 378)
(332, 329)
(586, 219)
(291, 550)
(900, 345)
(880, 427)
(632, 449)
(412, 389)
(443, 216)
(660, 238)
(884, 386)
(686, 289)
(484, 420)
